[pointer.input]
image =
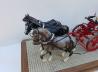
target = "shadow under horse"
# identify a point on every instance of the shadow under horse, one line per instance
(53, 26)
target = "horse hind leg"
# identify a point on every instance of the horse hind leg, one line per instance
(67, 58)
(63, 54)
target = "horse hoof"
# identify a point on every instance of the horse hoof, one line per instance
(66, 59)
(44, 60)
(63, 54)
(50, 58)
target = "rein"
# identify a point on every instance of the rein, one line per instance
(62, 38)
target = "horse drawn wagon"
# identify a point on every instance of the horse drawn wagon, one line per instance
(86, 34)
(52, 34)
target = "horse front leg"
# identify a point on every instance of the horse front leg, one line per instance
(43, 53)
(41, 48)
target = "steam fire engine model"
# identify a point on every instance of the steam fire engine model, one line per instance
(87, 34)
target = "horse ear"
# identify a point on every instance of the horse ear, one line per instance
(26, 15)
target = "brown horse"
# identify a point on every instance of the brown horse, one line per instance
(49, 42)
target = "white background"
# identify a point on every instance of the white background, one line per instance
(10, 58)
(69, 12)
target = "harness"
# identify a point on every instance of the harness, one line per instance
(52, 36)
(50, 39)
(65, 48)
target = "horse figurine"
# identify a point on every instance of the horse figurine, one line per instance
(53, 26)
(50, 42)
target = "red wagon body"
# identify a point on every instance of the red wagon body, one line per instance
(86, 34)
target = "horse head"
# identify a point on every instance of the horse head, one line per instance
(31, 23)
(41, 35)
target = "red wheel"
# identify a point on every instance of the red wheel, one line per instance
(92, 44)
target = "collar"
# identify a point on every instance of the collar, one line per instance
(52, 36)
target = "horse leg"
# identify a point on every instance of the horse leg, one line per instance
(74, 50)
(44, 53)
(41, 48)
(70, 54)
(42, 56)
(63, 54)
(50, 58)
